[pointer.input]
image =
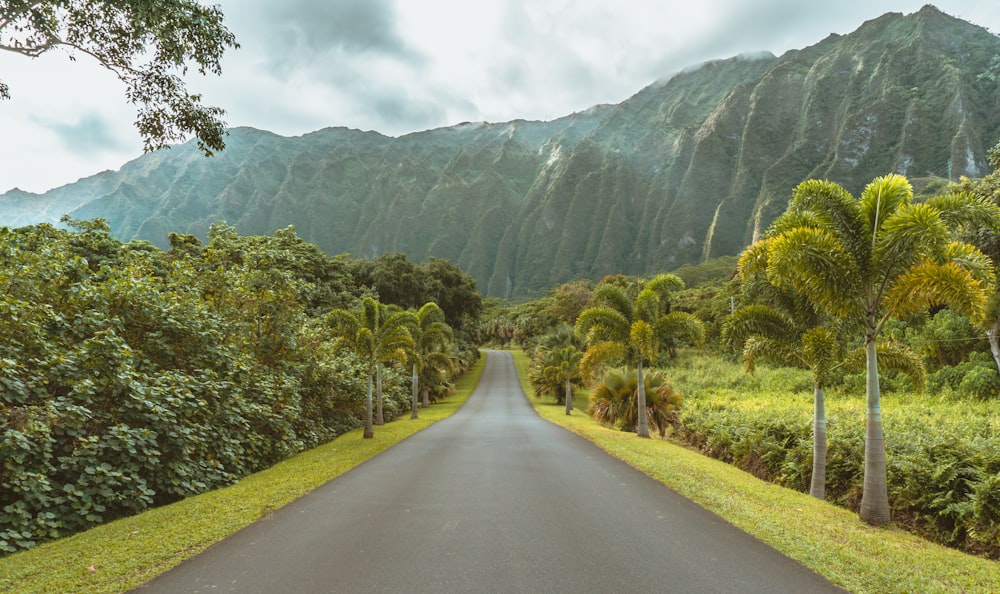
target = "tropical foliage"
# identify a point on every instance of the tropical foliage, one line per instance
(869, 259)
(132, 377)
(629, 322)
(942, 460)
(613, 402)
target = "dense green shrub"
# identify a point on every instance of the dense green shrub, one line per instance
(943, 453)
(130, 377)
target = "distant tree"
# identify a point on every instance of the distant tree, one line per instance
(554, 373)
(148, 45)
(569, 299)
(631, 327)
(613, 401)
(452, 289)
(430, 356)
(376, 337)
(869, 259)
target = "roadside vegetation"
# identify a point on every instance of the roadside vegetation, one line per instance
(121, 555)
(797, 379)
(852, 354)
(131, 378)
(821, 535)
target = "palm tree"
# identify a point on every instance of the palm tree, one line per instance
(376, 336)
(556, 371)
(430, 355)
(631, 327)
(613, 402)
(866, 260)
(764, 331)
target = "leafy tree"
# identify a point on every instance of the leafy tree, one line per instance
(866, 260)
(453, 290)
(569, 299)
(376, 337)
(148, 45)
(432, 363)
(627, 323)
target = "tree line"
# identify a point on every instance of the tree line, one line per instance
(132, 377)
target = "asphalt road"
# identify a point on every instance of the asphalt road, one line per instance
(492, 499)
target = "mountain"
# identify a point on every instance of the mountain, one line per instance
(689, 168)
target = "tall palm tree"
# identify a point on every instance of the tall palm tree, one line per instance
(377, 336)
(429, 354)
(765, 332)
(630, 327)
(872, 258)
(762, 331)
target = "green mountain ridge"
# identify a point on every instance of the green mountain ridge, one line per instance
(689, 168)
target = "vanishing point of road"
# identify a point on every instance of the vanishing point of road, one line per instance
(491, 499)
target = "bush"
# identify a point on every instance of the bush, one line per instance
(943, 457)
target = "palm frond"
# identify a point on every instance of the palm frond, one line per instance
(612, 297)
(643, 338)
(928, 284)
(601, 323)
(813, 262)
(910, 234)
(680, 326)
(754, 259)
(825, 204)
(770, 349)
(664, 284)
(979, 265)
(882, 197)
(756, 320)
(960, 209)
(821, 351)
(890, 356)
(599, 353)
(646, 306)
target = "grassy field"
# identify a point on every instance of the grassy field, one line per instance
(124, 554)
(830, 540)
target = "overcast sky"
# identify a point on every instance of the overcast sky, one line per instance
(408, 65)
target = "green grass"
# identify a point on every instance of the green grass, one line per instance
(131, 551)
(830, 540)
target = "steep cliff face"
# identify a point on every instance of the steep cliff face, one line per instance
(689, 168)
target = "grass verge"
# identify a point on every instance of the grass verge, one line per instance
(828, 539)
(121, 555)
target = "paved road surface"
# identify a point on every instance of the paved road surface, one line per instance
(492, 499)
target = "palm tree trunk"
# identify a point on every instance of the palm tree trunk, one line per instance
(569, 397)
(875, 499)
(369, 432)
(994, 335)
(642, 429)
(426, 397)
(817, 488)
(379, 419)
(413, 402)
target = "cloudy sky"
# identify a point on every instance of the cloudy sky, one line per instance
(408, 65)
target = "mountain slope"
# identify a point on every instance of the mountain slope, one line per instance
(686, 169)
